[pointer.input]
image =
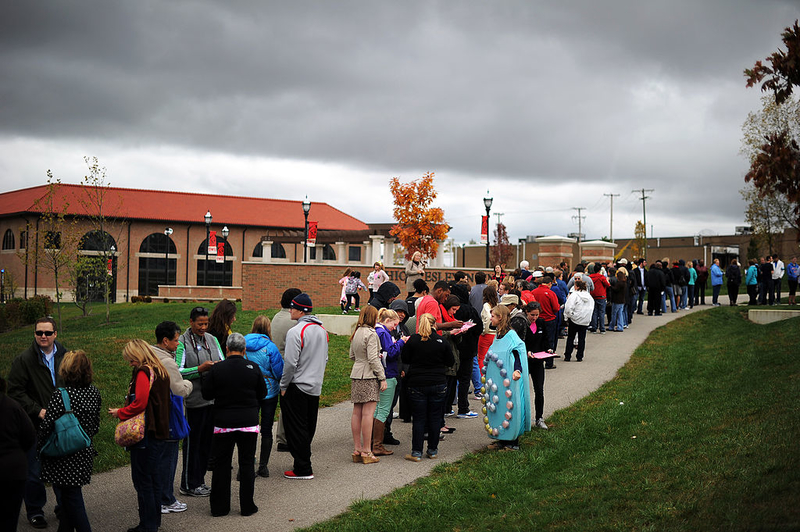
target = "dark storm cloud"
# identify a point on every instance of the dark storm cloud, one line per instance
(621, 93)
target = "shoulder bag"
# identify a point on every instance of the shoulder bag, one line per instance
(131, 431)
(68, 437)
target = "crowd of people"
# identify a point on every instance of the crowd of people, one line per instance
(421, 357)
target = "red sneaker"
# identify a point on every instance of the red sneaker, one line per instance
(291, 475)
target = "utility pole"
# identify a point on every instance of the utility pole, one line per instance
(580, 222)
(499, 214)
(644, 199)
(611, 229)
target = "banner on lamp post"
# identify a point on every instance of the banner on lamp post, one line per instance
(484, 229)
(221, 253)
(312, 234)
(212, 243)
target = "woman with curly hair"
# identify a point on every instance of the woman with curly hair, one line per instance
(220, 322)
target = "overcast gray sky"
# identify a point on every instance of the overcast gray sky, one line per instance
(547, 105)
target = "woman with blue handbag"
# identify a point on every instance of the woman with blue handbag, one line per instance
(69, 473)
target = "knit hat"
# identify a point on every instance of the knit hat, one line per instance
(537, 274)
(302, 302)
(509, 299)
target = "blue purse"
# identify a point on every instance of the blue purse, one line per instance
(68, 437)
(178, 426)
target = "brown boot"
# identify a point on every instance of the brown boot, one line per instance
(377, 439)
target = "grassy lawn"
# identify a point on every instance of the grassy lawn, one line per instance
(699, 431)
(103, 342)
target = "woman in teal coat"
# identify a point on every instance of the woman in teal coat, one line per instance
(506, 398)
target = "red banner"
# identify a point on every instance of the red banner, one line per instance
(312, 234)
(484, 229)
(212, 243)
(221, 253)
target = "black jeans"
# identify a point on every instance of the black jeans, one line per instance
(197, 447)
(300, 412)
(147, 478)
(427, 403)
(222, 451)
(551, 333)
(580, 331)
(733, 292)
(11, 492)
(35, 493)
(463, 376)
(268, 407)
(536, 371)
(752, 291)
(73, 511)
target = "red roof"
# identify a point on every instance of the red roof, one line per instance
(189, 207)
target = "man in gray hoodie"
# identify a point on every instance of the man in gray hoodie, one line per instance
(305, 358)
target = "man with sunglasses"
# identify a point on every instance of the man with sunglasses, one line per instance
(31, 381)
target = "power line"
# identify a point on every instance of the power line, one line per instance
(580, 222)
(644, 199)
(611, 223)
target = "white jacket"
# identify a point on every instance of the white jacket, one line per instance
(579, 307)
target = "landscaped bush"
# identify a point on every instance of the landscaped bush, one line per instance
(18, 312)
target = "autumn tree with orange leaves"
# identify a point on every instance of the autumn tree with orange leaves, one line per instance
(419, 226)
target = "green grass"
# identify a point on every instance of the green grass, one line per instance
(699, 431)
(103, 342)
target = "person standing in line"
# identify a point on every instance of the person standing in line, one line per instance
(281, 323)
(168, 335)
(656, 282)
(536, 341)
(690, 285)
(301, 384)
(17, 437)
(197, 352)
(778, 269)
(262, 351)
(734, 275)
(792, 271)
(640, 284)
(618, 294)
(751, 280)
(148, 392)
(236, 386)
(716, 282)
(69, 473)
(767, 292)
(700, 286)
(32, 379)
(549, 312)
(415, 269)
(601, 284)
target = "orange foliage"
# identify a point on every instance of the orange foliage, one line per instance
(419, 226)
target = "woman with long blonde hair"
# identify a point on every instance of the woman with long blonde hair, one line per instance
(148, 392)
(368, 379)
(428, 356)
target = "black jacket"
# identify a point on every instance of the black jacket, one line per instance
(236, 386)
(29, 380)
(380, 299)
(734, 274)
(656, 280)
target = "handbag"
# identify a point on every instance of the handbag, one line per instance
(178, 426)
(131, 431)
(68, 437)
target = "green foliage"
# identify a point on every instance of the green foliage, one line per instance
(19, 312)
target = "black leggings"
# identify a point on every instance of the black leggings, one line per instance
(536, 371)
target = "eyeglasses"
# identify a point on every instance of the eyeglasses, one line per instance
(44, 333)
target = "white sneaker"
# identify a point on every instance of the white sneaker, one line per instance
(541, 424)
(174, 508)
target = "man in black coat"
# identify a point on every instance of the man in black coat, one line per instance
(467, 348)
(656, 283)
(31, 381)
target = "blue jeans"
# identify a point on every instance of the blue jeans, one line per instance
(35, 493)
(618, 318)
(146, 476)
(715, 293)
(427, 403)
(169, 466)
(73, 511)
(668, 293)
(476, 375)
(599, 316)
(684, 297)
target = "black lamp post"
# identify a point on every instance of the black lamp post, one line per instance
(487, 202)
(225, 233)
(306, 208)
(167, 233)
(208, 220)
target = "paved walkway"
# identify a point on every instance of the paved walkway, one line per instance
(286, 504)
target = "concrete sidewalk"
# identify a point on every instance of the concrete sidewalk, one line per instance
(288, 504)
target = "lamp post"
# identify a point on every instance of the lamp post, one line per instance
(487, 202)
(167, 233)
(208, 220)
(225, 233)
(306, 208)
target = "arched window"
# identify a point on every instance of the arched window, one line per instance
(155, 267)
(277, 251)
(258, 251)
(97, 241)
(8, 240)
(219, 273)
(327, 252)
(92, 279)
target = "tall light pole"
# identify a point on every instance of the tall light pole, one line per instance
(487, 202)
(208, 220)
(167, 233)
(225, 233)
(306, 208)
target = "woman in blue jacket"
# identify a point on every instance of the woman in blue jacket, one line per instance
(751, 281)
(388, 320)
(716, 282)
(265, 354)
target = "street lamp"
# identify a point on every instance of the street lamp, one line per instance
(167, 233)
(487, 202)
(208, 220)
(225, 233)
(306, 208)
